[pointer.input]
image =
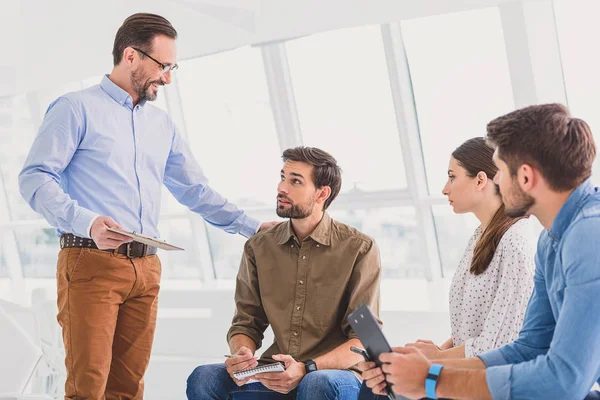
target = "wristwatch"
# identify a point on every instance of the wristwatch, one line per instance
(432, 379)
(310, 365)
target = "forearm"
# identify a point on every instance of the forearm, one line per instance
(238, 341)
(453, 353)
(463, 384)
(232, 220)
(447, 345)
(220, 213)
(51, 153)
(341, 357)
(46, 197)
(186, 181)
(464, 363)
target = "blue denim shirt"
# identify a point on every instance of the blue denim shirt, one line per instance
(97, 154)
(557, 354)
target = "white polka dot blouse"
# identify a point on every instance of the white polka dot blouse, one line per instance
(487, 310)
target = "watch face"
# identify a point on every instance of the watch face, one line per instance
(311, 366)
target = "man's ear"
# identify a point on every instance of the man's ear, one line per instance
(324, 194)
(527, 176)
(128, 56)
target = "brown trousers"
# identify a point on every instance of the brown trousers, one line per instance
(107, 305)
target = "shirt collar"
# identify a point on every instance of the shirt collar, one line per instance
(570, 208)
(321, 234)
(117, 93)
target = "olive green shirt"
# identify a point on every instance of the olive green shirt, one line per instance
(305, 291)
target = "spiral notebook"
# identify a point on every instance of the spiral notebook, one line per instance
(273, 367)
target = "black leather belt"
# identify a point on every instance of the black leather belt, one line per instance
(132, 249)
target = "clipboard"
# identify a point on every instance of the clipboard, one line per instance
(138, 237)
(363, 322)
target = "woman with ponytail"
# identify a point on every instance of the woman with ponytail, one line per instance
(494, 280)
(492, 284)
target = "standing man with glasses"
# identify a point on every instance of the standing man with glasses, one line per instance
(98, 162)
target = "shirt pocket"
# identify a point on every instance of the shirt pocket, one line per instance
(329, 307)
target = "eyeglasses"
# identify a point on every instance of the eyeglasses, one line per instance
(163, 67)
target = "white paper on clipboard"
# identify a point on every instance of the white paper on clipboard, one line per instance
(161, 244)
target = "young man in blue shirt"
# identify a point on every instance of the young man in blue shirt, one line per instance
(545, 161)
(99, 161)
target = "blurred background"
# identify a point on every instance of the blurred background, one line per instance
(389, 88)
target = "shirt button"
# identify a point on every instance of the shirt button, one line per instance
(292, 246)
(317, 245)
(301, 282)
(295, 333)
(297, 308)
(304, 257)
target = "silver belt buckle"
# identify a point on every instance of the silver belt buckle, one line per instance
(128, 252)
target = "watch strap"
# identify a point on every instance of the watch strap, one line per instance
(310, 366)
(432, 379)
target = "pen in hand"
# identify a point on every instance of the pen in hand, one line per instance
(232, 356)
(229, 356)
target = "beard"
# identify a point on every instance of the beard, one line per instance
(142, 86)
(521, 202)
(296, 211)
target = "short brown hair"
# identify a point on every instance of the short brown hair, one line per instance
(326, 172)
(547, 138)
(139, 30)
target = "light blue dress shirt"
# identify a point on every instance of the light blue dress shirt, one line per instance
(97, 154)
(557, 354)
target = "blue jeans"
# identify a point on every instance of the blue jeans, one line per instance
(367, 394)
(213, 382)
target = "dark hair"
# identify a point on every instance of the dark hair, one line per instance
(475, 156)
(139, 30)
(547, 138)
(326, 172)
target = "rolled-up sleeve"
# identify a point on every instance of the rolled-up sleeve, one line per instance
(250, 318)
(364, 284)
